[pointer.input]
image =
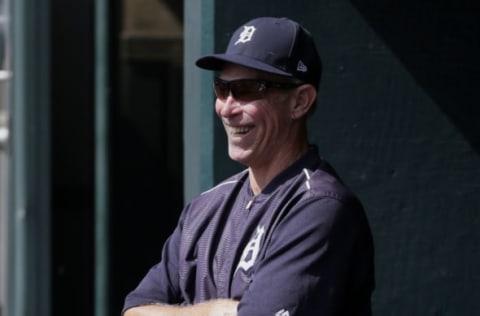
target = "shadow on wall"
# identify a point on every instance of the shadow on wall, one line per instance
(439, 44)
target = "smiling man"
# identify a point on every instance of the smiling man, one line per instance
(285, 236)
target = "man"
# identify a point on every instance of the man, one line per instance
(284, 237)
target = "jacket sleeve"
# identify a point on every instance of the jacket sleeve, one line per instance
(161, 284)
(318, 261)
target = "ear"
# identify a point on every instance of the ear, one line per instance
(305, 97)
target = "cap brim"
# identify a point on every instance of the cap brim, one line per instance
(217, 61)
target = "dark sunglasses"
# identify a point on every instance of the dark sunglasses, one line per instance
(247, 90)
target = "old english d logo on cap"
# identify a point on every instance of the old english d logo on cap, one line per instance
(246, 35)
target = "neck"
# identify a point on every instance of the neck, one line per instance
(261, 175)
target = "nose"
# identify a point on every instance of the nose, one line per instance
(227, 107)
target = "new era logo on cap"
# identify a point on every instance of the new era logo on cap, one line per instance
(301, 66)
(282, 312)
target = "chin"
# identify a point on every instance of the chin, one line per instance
(239, 155)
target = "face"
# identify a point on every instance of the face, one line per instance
(258, 131)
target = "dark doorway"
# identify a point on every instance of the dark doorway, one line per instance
(147, 140)
(146, 145)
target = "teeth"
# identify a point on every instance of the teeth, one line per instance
(238, 130)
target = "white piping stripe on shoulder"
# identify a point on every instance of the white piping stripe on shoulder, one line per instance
(307, 183)
(220, 185)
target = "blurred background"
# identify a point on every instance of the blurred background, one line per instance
(107, 129)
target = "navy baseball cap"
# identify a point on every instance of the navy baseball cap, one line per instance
(274, 45)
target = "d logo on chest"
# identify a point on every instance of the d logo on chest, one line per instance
(250, 252)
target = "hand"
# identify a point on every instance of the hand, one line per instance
(220, 307)
(223, 307)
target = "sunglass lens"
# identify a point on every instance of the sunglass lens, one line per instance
(246, 90)
(221, 88)
(242, 90)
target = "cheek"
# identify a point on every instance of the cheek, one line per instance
(276, 117)
(254, 112)
(218, 106)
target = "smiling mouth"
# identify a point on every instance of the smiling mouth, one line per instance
(237, 130)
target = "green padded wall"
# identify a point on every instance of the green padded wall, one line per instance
(397, 116)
